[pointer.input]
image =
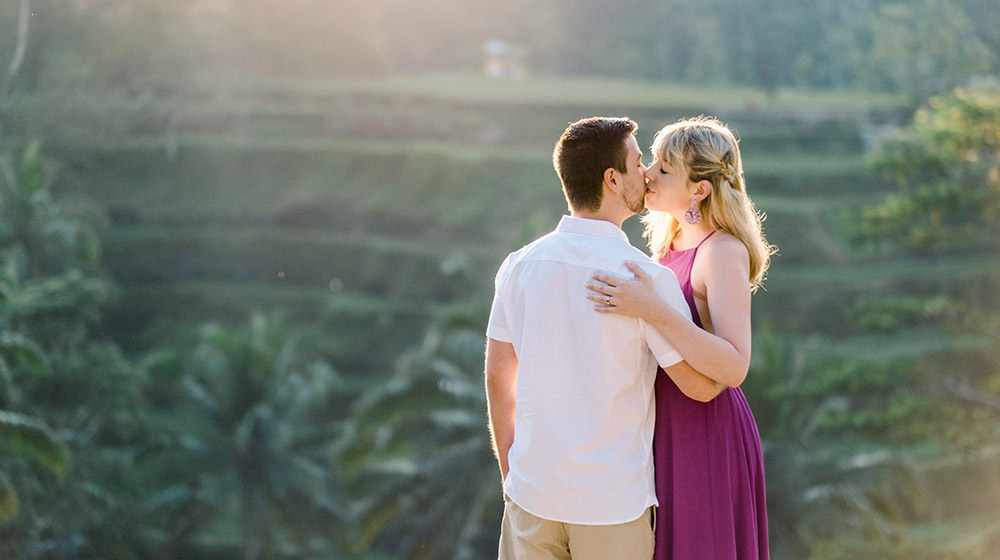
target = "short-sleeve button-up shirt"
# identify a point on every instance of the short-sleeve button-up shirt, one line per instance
(583, 428)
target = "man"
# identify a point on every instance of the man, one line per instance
(570, 390)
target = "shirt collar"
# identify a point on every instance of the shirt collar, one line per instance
(589, 226)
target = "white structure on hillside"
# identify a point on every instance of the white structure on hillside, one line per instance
(503, 61)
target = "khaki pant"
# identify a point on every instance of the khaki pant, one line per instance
(524, 536)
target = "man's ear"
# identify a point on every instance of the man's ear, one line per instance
(611, 179)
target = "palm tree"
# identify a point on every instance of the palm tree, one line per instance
(49, 251)
(416, 454)
(20, 433)
(41, 235)
(252, 439)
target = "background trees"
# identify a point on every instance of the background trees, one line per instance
(947, 168)
(922, 48)
(84, 405)
(424, 481)
(179, 170)
(246, 446)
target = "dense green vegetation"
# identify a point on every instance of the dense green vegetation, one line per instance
(248, 249)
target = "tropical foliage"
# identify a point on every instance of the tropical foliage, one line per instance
(248, 440)
(78, 415)
(947, 167)
(920, 47)
(173, 172)
(424, 481)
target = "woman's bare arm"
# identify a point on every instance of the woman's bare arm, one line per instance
(722, 355)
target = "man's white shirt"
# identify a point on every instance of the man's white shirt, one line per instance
(583, 429)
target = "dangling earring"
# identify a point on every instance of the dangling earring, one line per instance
(693, 215)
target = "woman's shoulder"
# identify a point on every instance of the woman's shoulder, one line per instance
(724, 245)
(723, 249)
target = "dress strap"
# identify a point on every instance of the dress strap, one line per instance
(706, 238)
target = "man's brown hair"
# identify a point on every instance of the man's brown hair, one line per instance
(584, 151)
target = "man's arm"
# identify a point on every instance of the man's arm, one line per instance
(501, 384)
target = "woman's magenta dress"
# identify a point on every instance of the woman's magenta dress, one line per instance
(709, 465)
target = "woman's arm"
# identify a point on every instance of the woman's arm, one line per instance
(693, 384)
(722, 355)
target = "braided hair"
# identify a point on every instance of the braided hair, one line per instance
(708, 150)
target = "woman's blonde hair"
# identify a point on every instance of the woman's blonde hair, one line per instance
(708, 150)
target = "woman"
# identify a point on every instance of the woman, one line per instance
(702, 225)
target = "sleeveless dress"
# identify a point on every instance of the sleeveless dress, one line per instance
(709, 465)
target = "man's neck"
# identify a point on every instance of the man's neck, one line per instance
(606, 216)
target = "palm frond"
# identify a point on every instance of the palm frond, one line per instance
(31, 173)
(9, 503)
(200, 394)
(26, 435)
(19, 349)
(417, 456)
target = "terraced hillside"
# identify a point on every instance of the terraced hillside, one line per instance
(373, 207)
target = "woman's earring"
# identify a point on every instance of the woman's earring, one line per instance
(693, 215)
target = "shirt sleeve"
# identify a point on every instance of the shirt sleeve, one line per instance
(670, 290)
(665, 354)
(497, 328)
